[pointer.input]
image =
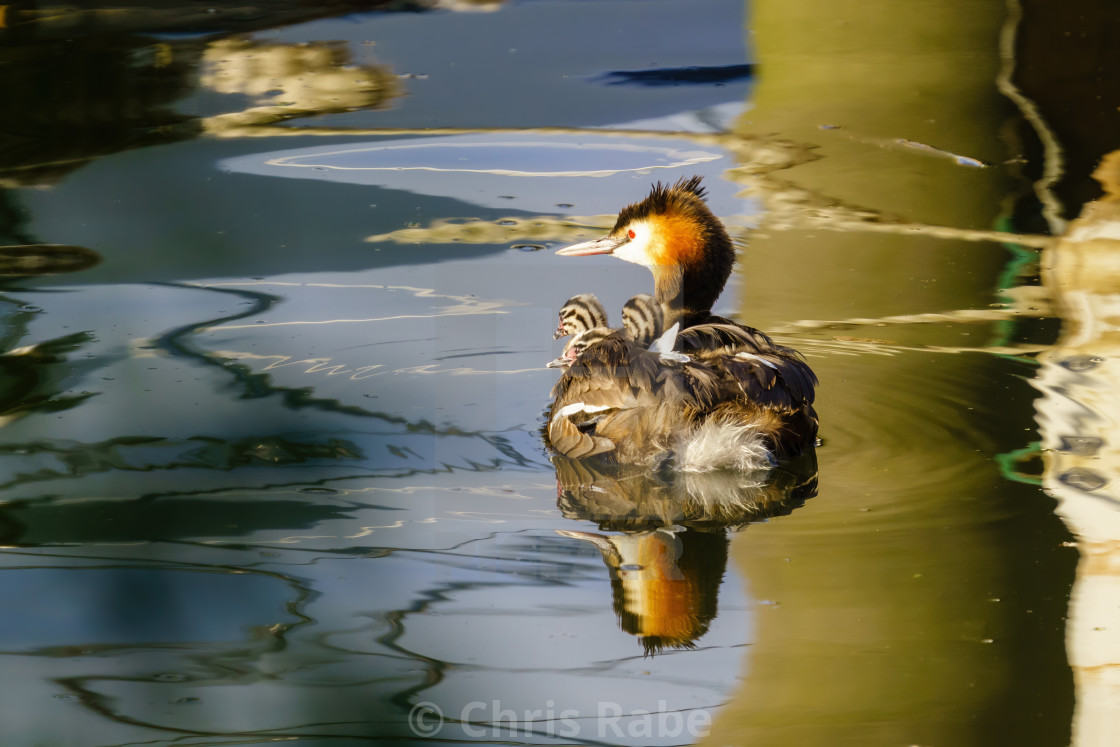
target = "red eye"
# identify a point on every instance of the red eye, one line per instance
(631, 233)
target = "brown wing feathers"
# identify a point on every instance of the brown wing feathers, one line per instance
(735, 372)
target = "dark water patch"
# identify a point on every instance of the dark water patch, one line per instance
(678, 76)
(43, 523)
(136, 607)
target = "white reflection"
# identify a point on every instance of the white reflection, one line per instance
(500, 157)
(1080, 443)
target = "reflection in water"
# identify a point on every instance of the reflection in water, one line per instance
(628, 499)
(667, 564)
(294, 553)
(31, 378)
(29, 260)
(908, 595)
(34, 378)
(665, 582)
(158, 518)
(85, 98)
(108, 92)
(1077, 415)
(167, 609)
(1068, 72)
(678, 76)
(66, 460)
(509, 157)
(500, 231)
(289, 81)
(270, 445)
(45, 20)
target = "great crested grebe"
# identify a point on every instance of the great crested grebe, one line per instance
(729, 396)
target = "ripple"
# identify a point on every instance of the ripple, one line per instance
(504, 169)
(551, 158)
(917, 425)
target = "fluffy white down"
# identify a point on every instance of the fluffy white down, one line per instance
(722, 445)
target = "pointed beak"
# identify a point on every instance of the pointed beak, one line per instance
(605, 245)
(559, 331)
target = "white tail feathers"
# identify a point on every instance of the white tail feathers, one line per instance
(645, 435)
(667, 341)
(664, 346)
(719, 444)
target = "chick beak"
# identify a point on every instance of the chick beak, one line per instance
(567, 358)
(560, 331)
(605, 245)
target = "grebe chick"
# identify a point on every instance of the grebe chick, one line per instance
(580, 314)
(642, 320)
(641, 324)
(734, 389)
(581, 342)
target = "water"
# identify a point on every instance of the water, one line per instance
(278, 294)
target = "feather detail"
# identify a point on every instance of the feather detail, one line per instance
(570, 441)
(725, 445)
(759, 358)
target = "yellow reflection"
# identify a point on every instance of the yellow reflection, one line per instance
(502, 230)
(28, 260)
(291, 80)
(887, 626)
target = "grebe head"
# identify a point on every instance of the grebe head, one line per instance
(642, 320)
(575, 347)
(675, 235)
(579, 314)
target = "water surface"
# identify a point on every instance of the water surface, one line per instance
(277, 303)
